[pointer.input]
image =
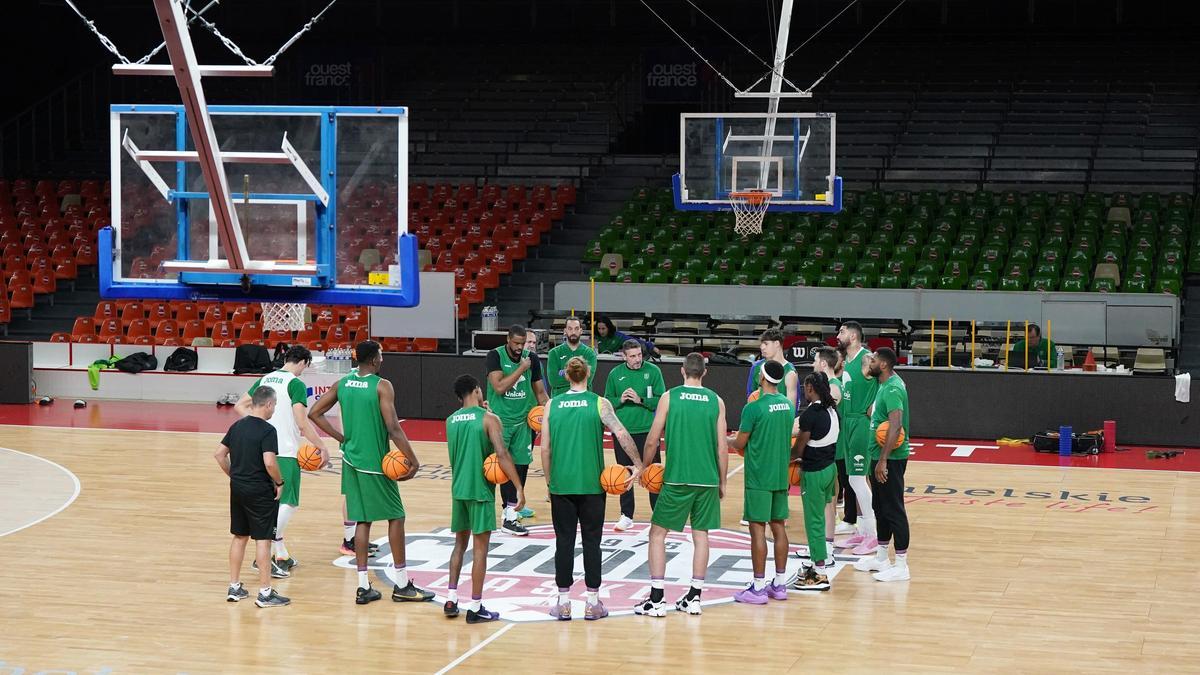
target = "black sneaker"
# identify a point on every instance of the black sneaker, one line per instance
(347, 548)
(287, 563)
(273, 599)
(236, 593)
(411, 593)
(372, 550)
(484, 615)
(811, 580)
(515, 528)
(450, 609)
(365, 595)
(278, 571)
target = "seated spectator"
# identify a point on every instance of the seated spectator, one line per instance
(1041, 352)
(609, 340)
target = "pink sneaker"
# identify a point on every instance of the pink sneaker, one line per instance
(867, 547)
(856, 540)
(750, 596)
(777, 592)
(561, 612)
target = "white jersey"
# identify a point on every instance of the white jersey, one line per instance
(289, 390)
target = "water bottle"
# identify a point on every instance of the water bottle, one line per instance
(1059, 352)
(490, 318)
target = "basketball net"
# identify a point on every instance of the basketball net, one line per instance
(749, 209)
(283, 316)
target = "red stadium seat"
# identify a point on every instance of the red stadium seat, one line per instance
(158, 311)
(164, 330)
(425, 344)
(137, 328)
(106, 310)
(132, 310)
(85, 339)
(250, 331)
(222, 332)
(185, 311)
(193, 329)
(84, 325)
(214, 315)
(110, 328)
(60, 337)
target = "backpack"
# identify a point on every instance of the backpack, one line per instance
(251, 359)
(182, 360)
(281, 349)
(137, 362)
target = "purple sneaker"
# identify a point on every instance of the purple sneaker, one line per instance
(777, 592)
(750, 596)
(596, 611)
(561, 612)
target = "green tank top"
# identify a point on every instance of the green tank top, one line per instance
(858, 392)
(576, 444)
(514, 405)
(468, 443)
(362, 424)
(783, 389)
(691, 437)
(769, 423)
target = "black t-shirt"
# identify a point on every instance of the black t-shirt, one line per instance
(492, 362)
(816, 421)
(247, 440)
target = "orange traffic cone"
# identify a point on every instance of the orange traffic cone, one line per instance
(1089, 362)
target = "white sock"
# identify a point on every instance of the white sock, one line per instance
(348, 529)
(760, 583)
(235, 584)
(264, 591)
(452, 595)
(476, 604)
(593, 597)
(510, 513)
(401, 573)
(866, 516)
(362, 579)
(781, 578)
(881, 552)
(564, 596)
(279, 550)
(902, 558)
(286, 511)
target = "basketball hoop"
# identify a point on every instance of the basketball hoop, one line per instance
(283, 316)
(749, 209)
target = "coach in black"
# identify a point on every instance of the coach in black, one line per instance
(247, 455)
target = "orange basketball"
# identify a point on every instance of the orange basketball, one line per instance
(613, 479)
(492, 471)
(534, 418)
(652, 478)
(395, 465)
(881, 435)
(753, 396)
(793, 473)
(309, 458)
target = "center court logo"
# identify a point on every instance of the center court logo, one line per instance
(520, 582)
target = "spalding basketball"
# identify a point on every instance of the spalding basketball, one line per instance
(793, 473)
(753, 396)
(881, 435)
(614, 478)
(535, 417)
(492, 471)
(309, 458)
(395, 465)
(652, 478)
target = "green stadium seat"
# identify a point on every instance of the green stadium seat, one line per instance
(753, 266)
(771, 278)
(868, 266)
(781, 266)
(741, 279)
(599, 274)
(641, 263)
(1104, 285)
(889, 280)
(627, 276)
(920, 281)
(980, 283)
(1043, 283)
(1170, 285)
(1012, 284)
(862, 280)
(695, 265)
(725, 265)
(715, 278)
(1136, 283)
(594, 252)
(831, 280)
(684, 277)
(1073, 285)
(804, 278)
(657, 276)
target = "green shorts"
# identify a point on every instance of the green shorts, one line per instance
(518, 438)
(370, 496)
(854, 444)
(677, 504)
(468, 514)
(761, 506)
(289, 470)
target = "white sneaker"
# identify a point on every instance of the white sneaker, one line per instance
(745, 523)
(845, 528)
(623, 523)
(689, 606)
(893, 573)
(872, 564)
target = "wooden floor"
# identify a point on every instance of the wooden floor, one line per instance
(131, 576)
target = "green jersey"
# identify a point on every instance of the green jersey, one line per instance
(858, 391)
(289, 390)
(556, 364)
(836, 385)
(1044, 354)
(468, 443)
(514, 405)
(756, 374)
(576, 443)
(691, 437)
(892, 395)
(366, 438)
(768, 420)
(648, 382)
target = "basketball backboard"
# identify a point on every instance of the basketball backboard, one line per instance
(320, 194)
(790, 155)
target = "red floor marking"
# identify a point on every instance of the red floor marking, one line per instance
(202, 417)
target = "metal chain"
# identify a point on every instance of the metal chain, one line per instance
(307, 27)
(161, 45)
(229, 44)
(108, 44)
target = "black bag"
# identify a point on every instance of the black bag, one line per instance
(1088, 443)
(182, 360)
(725, 358)
(281, 349)
(137, 362)
(251, 359)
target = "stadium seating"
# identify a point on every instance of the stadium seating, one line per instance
(945, 240)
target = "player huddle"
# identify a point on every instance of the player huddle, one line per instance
(852, 414)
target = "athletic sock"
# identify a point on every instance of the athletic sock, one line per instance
(279, 549)
(881, 553)
(264, 591)
(760, 583)
(362, 578)
(401, 573)
(564, 596)
(696, 589)
(902, 557)
(593, 596)
(657, 589)
(348, 528)
(235, 585)
(286, 511)
(510, 513)
(476, 603)
(452, 594)
(781, 577)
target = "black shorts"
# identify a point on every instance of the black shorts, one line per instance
(252, 512)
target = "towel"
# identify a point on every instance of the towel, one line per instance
(1183, 387)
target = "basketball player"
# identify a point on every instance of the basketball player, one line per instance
(828, 361)
(514, 387)
(771, 346)
(633, 388)
(247, 455)
(368, 405)
(290, 422)
(887, 478)
(556, 360)
(572, 448)
(858, 393)
(766, 436)
(472, 434)
(815, 448)
(693, 417)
